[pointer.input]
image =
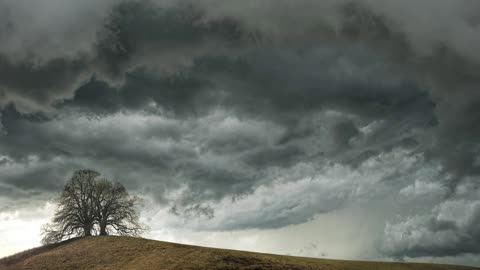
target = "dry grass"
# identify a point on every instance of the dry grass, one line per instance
(134, 253)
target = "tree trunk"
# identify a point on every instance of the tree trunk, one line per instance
(103, 228)
(87, 230)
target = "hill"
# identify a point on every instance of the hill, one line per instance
(111, 252)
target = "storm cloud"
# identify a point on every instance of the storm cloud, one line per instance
(229, 116)
(449, 230)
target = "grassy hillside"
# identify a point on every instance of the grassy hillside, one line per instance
(133, 253)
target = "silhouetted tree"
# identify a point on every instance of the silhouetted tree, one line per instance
(116, 209)
(89, 205)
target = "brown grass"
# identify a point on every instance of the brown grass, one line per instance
(111, 252)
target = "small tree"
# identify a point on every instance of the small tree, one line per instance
(89, 205)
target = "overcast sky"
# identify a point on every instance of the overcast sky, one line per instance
(336, 128)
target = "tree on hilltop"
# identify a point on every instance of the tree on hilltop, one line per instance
(89, 205)
(115, 209)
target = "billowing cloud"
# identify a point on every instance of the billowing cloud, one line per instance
(451, 229)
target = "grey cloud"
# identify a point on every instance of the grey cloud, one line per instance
(122, 41)
(293, 83)
(421, 27)
(45, 84)
(446, 66)
(299, 81)
(126, 35)
(193, 211)
(167, 150)
(134, 29)
(40, 31)
(215, 180)
(307, 190)
(281, 156)
(343, 132)
(50, 43)
(451, 229)
(26, 182)
(47, 137)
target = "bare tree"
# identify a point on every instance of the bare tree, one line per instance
(89, 205)
(75, 215)
(116, 209)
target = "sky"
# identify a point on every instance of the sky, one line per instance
(338, 128)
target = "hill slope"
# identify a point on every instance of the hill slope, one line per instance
(134, 253)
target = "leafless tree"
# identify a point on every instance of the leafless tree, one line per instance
(116, 209)
(89, 205)
(75, 215)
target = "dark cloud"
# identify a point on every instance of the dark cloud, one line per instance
(343, 132)
(445, 232)
(193, 211)
(285, 84)
(136, 28)
(45, 84)
(131, 34)
(283, 156)
(40, 179)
